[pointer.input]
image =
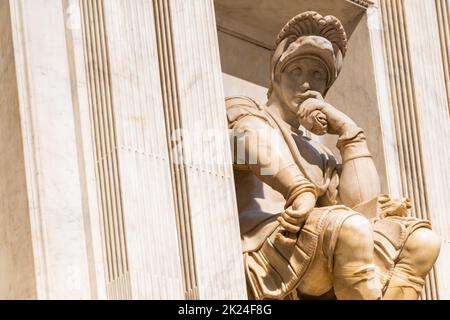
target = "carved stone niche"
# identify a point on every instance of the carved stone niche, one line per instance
(247, 30)
(246, 24)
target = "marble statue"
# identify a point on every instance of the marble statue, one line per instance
(313, 228)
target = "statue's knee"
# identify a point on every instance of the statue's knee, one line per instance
(422, 249)
(356, 235)
(356, 227)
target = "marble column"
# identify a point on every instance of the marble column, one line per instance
(209, 174)
(15, 229)
(169, 210)
(414, 49)
(443, 19)
(51, 245)
(99, 197)
(426, 45)
(141, 251)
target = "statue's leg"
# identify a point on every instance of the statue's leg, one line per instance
(344, 261)
(354, 275)
(415, 261)
(334, 250)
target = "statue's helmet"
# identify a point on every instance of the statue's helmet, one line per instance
(310, 35)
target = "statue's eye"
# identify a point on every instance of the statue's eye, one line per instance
(318, 75)
(296, 71)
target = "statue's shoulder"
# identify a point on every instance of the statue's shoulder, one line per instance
(239, 107)
(232, 101)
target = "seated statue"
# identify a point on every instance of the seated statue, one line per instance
(313, 228)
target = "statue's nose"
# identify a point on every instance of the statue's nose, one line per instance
(304, 86)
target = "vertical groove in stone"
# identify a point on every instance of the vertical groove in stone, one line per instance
(105, 141)
(146, 185)
(214, 219)
(434, 122)
(172, 116)
(443, 19)
(405, 117)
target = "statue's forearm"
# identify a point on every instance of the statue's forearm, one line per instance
(359, 181)
(268, 157)
(359, 178)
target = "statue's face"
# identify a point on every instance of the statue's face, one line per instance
(298, 77)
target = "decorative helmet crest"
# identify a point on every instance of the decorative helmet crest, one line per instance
(327, 40)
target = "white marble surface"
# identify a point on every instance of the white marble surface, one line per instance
(433, 123)
(17, 275)
(218, 252)
(152, 247)
(50, 150)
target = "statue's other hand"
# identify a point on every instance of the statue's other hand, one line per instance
(316, 122)
(313, 120)
(303, 204)
(294, 217)
(310, 94)
(319, 115)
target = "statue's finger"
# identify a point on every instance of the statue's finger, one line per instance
(300, 213)
(294, 220)
(289, 227)
(285, 240)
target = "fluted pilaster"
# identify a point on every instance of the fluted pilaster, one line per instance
(209, 175)
(417, 93)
